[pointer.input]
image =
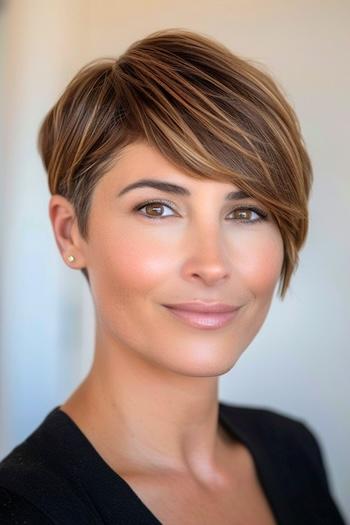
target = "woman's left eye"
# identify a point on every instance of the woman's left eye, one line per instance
(242, 214)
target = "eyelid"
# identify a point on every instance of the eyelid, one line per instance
(156, 201)
(263, 214)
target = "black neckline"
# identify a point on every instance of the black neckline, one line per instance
(229, 418)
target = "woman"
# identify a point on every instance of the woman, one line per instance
(179, 182)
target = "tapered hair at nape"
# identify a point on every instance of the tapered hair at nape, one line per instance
(213, 114)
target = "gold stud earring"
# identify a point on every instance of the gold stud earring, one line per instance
(71, 258)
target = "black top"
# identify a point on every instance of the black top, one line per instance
(56, 476)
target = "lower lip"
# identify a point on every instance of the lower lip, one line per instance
(205, 321)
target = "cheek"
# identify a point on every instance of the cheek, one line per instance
(258, 267)
(132, 264)
(260, 261)
(139, 265)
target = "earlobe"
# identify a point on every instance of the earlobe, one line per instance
(63, 221)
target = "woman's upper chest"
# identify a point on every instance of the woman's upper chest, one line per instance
(177, 499)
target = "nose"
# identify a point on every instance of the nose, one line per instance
(207, 259)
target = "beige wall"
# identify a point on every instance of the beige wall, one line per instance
(299, 362)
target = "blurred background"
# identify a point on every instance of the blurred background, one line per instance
(299, 362)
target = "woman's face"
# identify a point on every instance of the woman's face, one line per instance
(194, 248)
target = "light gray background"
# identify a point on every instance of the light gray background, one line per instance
(299, 362)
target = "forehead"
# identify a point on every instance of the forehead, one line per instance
(139, 160)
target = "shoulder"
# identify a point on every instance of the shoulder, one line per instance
(37, 482)
(271, 422)
(279, 423)
(22, 480)
(287, 439)
(16, 510)
(290, 458)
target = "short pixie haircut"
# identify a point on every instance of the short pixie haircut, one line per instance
(211, 113)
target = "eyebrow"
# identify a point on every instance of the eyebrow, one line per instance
(174, 188)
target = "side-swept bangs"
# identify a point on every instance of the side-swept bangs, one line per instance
(211, 113)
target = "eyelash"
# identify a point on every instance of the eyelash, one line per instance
(262, 214)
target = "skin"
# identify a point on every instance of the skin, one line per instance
(149, 403)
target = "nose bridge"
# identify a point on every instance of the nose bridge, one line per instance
(207, 234)
(207, 256)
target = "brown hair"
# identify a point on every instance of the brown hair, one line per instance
(214, 114)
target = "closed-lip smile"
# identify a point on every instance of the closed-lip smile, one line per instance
(199, 306)
(207, 316)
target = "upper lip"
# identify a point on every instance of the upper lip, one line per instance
(199, 306)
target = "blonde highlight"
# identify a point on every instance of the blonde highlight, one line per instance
(211, 113)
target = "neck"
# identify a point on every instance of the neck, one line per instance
(140, 416)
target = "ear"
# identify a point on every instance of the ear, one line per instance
(65, 228)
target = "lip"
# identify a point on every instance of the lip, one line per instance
(203, 307)
(206, 320)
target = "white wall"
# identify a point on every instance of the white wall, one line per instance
(299, 362)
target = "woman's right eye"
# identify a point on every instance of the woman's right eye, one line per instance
(155, 205)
